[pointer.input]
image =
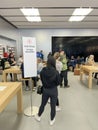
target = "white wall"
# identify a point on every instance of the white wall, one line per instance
(9, 34)
(43, 36)
(8, 30)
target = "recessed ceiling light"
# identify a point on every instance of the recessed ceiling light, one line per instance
(31, 14)
(76, 18)
(33, 19)
(30, 11)
(82, 11)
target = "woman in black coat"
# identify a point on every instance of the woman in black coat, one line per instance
(50, 80)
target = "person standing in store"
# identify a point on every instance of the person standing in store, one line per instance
(26, 81)
(50, 80)
(58, 68)
(64, 72)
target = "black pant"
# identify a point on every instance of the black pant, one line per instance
(96, 76)
(57, 102)
(64, 75)
(35, 79)
(27, 83)
(11, 75)
(52, 94)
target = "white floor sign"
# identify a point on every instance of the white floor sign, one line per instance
(29, 55)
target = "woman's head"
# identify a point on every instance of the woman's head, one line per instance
(56, 55)
(62, 53)
(91, 56)
(51, 62)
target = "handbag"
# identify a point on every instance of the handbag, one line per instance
(40, 89)
(7, 65)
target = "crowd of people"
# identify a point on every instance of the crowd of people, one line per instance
(52, 76)
(8, 60)
(73, 62)
(52, 73)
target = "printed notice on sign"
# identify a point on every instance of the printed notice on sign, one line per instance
(29, 56)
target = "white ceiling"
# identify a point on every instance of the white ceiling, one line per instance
(54, 13)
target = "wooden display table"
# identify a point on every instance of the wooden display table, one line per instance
(14, 70)
(77, 71)
(88, 70)
(11, 89)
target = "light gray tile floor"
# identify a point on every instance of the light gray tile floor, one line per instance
(79, 109)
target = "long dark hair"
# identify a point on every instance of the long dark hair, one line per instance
(51, 62)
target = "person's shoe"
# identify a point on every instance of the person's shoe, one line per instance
(67, 86)
(49, 100)
(58, 108)
(34, 89)
(38, 118)
(52, 121)
(27, 88)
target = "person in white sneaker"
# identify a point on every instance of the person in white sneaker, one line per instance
(59, 67)
(27, 88)
(38, 118)
(52, 121)
(50, 80)
(57, 105)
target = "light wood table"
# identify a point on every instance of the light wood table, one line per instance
(11, 89)
(14, 70)
(88, 70)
